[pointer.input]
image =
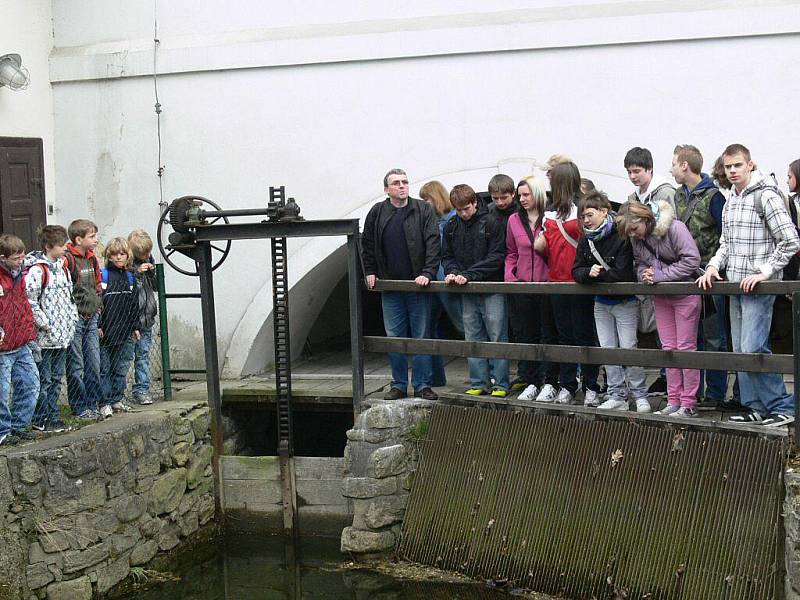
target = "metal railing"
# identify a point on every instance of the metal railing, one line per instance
(695, 359)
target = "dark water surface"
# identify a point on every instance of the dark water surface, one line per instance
(261, 567)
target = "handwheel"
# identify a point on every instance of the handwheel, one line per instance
(169, 254)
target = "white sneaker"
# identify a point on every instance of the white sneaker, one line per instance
(564, 396)
(614, 404)
(529, 393)
(643, 405)
(685, 411)
(590, 398)
(547, 394)
(669, 409)
(120, 407)
(106, 411)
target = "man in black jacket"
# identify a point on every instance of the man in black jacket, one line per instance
(401, 241)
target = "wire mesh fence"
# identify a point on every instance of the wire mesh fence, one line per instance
(79, 342)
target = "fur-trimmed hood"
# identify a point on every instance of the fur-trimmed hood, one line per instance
(666, 215)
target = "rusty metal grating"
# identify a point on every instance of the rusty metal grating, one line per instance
(597, 509)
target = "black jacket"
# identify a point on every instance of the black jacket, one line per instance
(146, 294)
(476, 248)
(502, 215)
(616, 251)
(422, 236)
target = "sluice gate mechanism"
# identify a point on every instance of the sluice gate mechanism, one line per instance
(598, 508)
(194, 230)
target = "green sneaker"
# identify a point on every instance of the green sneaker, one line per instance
(475, 391)
(499, 393)
(518, 384)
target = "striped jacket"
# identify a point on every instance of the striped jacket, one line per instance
(753, 243)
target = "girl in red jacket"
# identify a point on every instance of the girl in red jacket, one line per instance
(573, 313)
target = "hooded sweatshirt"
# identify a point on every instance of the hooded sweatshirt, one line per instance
(49, 289)
(659, 190)
(669, 249)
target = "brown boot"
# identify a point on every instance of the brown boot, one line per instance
(427, 394)
(394, 394)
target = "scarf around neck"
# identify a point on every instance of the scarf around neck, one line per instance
(600, 232)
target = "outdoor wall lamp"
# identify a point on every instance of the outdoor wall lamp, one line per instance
(12, 73)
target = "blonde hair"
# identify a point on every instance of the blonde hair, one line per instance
(436, 195)
(631, 214)
(116, 246)
(141, 244)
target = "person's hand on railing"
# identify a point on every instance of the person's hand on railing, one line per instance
(371, 281)
(707, 279)
(422, 280)
(595, 270)
(456, 279)
(748, 284)
(647, 275)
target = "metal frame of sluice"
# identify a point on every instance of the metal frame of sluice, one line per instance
(277, 232)
(730, 361)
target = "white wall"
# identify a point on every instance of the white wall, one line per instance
(326, 101)
(28, 31)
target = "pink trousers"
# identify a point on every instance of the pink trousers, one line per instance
(676, 319)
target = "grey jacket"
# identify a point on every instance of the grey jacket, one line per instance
(422, 236)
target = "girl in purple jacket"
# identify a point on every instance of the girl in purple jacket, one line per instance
(530, 313)
(665, 251)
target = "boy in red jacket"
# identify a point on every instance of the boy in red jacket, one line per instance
(17, 331)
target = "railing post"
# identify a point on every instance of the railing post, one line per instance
(356, 332)
(166, 378)
(796, 350)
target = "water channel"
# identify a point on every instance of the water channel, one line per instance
(261, 567)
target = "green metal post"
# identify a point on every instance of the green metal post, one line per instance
(166, 378)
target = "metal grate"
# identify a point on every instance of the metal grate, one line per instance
(597, 509)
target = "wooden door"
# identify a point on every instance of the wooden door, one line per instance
(22, 203)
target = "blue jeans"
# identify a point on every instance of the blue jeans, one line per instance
(17, 368)
(765, 393)
(485, 320)
(115, 361)
(408, 314)
(141, 362)
(616, 328)
(575, 324)
(712, 335)
(83, 367)
(51, 370)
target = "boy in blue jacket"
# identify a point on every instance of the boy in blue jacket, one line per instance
(118, 326)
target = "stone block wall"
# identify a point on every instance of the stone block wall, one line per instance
(78, 511)
(380, 461)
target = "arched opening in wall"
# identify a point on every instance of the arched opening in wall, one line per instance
(319, 316)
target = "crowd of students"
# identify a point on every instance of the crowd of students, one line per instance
(61, 312)
(734, 224)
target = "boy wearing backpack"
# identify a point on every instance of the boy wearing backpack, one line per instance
(118, 326)
(758, 240)
(474, 249)
(17, 331)
(49, 289)
(83, 360)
